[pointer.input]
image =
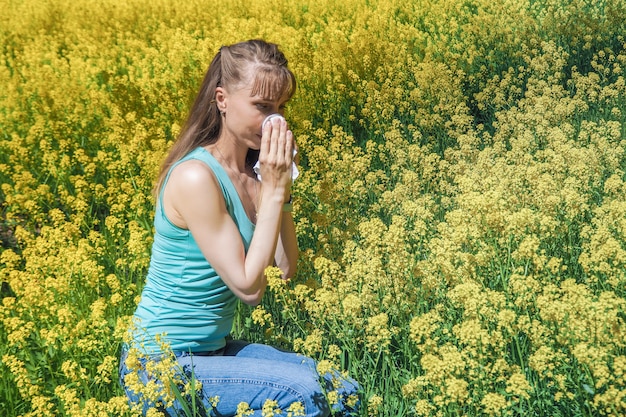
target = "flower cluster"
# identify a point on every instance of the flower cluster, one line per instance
(461, 209)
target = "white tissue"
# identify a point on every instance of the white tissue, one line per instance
(270, 117)
(257, 166)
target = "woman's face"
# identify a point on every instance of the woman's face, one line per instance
(244, 112)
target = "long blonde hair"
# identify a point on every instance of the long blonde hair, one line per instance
(229, 68)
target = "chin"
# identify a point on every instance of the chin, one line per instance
(255, 144)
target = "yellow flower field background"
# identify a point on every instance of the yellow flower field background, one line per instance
(461, 208)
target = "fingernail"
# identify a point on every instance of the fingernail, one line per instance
(271, 117)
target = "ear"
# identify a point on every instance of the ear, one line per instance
(220, 99)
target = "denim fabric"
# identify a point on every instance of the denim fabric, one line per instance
(254, 373)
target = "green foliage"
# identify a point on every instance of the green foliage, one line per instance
(460, 209)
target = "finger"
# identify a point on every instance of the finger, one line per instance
(266, 135)
(279, 129)
(289, 146)
(285, 141)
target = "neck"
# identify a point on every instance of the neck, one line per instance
(231, 156)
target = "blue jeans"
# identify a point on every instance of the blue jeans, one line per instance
(254, 373)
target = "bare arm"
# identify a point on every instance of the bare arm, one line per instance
(194, 197)
(287, 247)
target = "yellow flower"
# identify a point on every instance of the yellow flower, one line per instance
(302, 292)
(373, 404)
(332, 397)
(456, 390)
(118, 405)
(351, 306)
(212, 400)
(260, 316)
(333, 351)
(493, 404)
(154, 412)
(325, 367)
(244, 410)
(73, 371)
(378, 333)
(311, 345)
(423, 408)
(295, 409)
(518, 385)
(105, 370)
(275, 279)
(352, 400)
(270, 409)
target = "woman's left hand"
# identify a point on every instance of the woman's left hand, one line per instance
(276, 157)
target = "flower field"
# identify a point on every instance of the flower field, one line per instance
(461, 208)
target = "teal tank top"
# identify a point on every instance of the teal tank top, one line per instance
(184, 302)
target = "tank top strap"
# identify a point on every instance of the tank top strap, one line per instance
(231, 197)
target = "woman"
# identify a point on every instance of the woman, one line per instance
(217, 227)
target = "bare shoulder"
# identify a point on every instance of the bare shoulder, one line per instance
(192, 178)
(191, 192)
(192, 172)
